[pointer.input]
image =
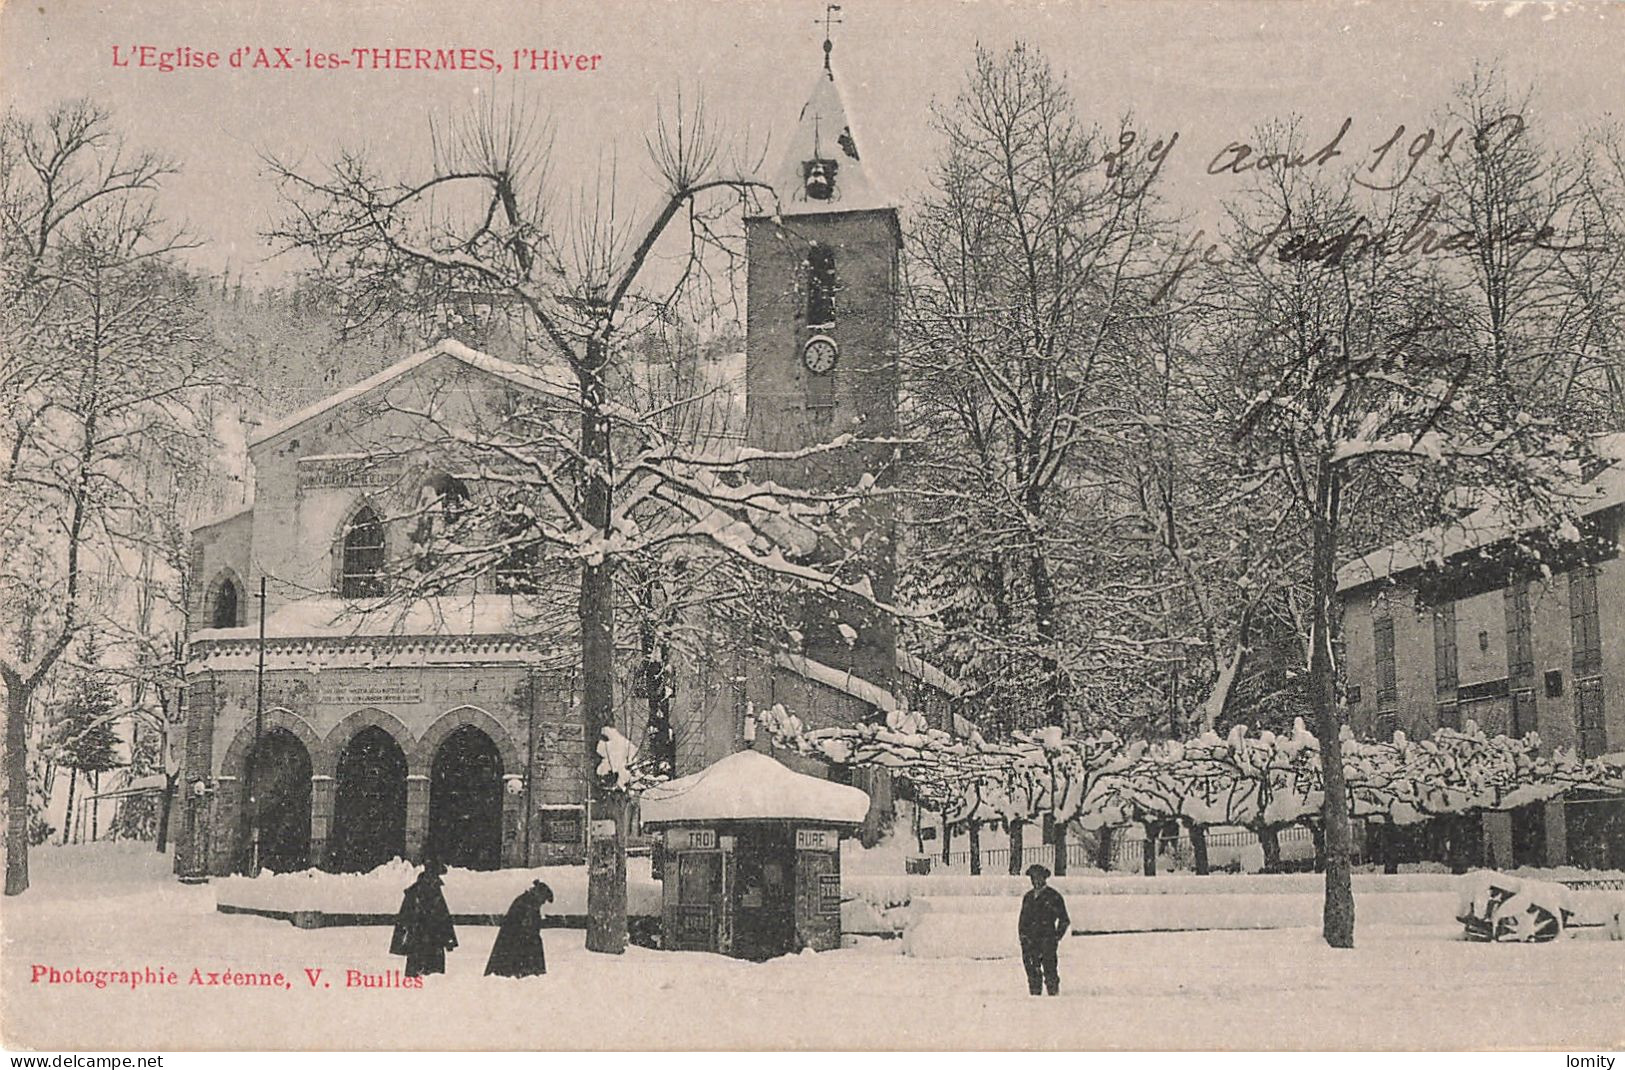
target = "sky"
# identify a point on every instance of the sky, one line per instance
(1211, 71)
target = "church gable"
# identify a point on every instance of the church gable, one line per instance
(456, 383)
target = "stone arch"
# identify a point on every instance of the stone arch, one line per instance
(211, 598)
(467, 798)
(235, 762)
(326, 760)
(422, 757)
(371, 811)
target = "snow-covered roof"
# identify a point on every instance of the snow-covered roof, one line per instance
(445, 615)
(541, 379)
(839, 679)
(824, 131)
(1484, 526)
(750, 786)
(221, 517)
(927, 673)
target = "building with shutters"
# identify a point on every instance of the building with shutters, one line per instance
(1454, 626)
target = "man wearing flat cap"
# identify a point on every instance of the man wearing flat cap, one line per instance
(1043, 922)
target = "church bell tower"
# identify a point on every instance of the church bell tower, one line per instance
(821, 361)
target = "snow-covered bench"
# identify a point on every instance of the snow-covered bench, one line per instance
(1502, 908)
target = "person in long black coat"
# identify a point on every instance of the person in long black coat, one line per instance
(518, 949)
(423, 929)
(1043, 922)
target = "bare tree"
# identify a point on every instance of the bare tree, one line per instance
(589, 477)
(106, 365)
(1030, 262)
(1367, 398)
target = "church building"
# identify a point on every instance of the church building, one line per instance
(450, 726)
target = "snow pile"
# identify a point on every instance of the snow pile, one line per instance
(859, 917)
(893, 890)
(961, 936)
(985, 926)
(467, 891)
(1508, 909)
(616, 753)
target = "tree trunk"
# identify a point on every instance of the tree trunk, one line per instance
(660, 741)
(1148, 853)
(1337, 921)
(606, 880)
(1199, 849)
(1387, 844)
(1103, 848)
(95, 803)
(165, 804)
(67, 819)
(17, 806)
(1017, 835)
(1044, 610)
(1269, 839)
(975, 848)
(947, 838)
(1060, 849)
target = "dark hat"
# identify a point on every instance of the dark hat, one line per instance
(1036, 870)
(542, 891)
(434, 867)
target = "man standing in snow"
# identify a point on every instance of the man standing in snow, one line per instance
(1043, 922)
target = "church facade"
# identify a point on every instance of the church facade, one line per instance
(449, 726)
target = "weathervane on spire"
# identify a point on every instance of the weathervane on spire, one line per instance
(829, 20)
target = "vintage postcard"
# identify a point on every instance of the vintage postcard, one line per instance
(806, 526)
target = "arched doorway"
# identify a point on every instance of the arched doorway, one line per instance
(465, 801)
(277, 774)
(369, 814)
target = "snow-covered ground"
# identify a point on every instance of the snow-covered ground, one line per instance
(111, 907)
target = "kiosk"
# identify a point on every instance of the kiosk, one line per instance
(753, 857)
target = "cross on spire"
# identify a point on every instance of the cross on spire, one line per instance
(828, 20)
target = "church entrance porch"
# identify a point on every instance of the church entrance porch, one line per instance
(465, 801)
(278, 786)
(369, 819)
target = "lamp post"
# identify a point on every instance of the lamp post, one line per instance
(254, 754)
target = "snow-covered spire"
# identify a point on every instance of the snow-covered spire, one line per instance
(822, 169)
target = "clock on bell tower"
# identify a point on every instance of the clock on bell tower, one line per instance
(821, 358)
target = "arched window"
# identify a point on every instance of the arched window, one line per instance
(517, 572)
(442, 502)
(226, 599)
(820, 286)
(361, 573)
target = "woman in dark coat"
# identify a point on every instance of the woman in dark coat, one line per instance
(423, 930)
(518, 949)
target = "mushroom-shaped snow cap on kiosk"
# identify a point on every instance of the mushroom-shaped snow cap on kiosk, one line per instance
(750, 786)
(752, 857)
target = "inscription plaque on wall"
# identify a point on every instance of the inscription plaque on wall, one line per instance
(348, 471)
(370, 693)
